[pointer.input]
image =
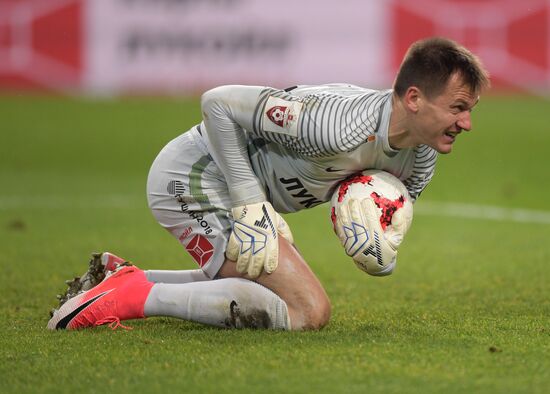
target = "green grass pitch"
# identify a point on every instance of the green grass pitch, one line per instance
(467, 310)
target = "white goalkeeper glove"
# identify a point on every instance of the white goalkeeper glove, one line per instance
(360, 232)
(254, 241)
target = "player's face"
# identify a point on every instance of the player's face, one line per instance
(444, 117)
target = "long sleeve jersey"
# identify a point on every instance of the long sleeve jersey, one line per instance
(292, 147)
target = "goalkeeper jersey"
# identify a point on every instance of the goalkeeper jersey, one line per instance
(292, 147)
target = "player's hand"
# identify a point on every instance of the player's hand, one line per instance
(359, 229)
(254, 241)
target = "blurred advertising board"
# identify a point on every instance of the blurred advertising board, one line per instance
(175, 46)
(42, 44)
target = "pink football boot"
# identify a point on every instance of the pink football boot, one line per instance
(120, 296)
(99, 266)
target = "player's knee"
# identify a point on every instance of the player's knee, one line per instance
(319, 314)
(310, 310)
(302, 291)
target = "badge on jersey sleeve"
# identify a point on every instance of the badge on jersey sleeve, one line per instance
(281, 116)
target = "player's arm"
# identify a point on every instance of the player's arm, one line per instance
(423, 171)
(253, 244)
(228, 111)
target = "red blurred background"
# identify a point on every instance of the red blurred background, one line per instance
(185, 46)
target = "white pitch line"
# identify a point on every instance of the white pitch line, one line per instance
(422, 207)
(482, 212)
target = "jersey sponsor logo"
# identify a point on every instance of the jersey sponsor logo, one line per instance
(201, 221)
(186, 233)
(201, 249)
(304, 197)
(281, 116)
(175, 188)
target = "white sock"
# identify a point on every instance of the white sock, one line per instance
(230, 303)
(180, 276)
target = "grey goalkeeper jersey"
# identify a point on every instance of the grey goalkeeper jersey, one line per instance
(294, 146)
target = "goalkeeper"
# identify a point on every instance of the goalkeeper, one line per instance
(220, 188)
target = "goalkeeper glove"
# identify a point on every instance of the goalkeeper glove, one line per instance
(360, 232)
(254, 241)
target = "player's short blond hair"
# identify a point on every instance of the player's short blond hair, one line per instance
(429, 63)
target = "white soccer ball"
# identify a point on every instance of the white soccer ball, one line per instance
(394, 211)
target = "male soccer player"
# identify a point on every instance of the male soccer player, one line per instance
(260, 151)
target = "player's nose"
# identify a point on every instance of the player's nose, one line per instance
(464, 121)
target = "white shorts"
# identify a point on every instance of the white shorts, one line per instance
(188, 196)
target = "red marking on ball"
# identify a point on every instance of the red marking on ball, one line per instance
(333, 218)
(388, 207)
(346, 183)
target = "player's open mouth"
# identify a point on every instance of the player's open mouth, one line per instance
(451, 135)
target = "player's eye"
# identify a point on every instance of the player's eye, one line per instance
(460, 108)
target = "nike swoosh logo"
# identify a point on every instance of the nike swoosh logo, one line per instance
(62, 324)
(330, 169)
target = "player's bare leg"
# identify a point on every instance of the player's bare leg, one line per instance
(293, 281)
(289, 298)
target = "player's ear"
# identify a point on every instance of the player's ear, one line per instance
(413, 98)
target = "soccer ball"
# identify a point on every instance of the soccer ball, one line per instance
(372, 230)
